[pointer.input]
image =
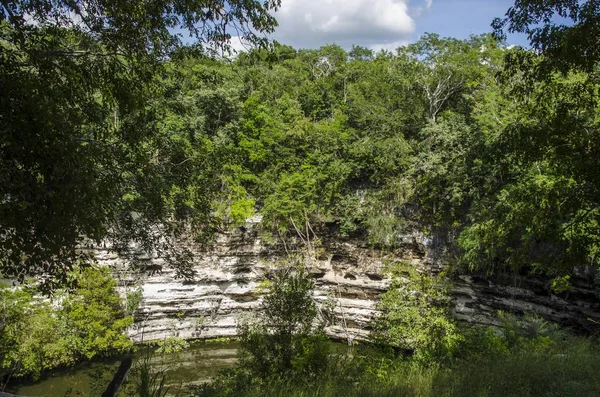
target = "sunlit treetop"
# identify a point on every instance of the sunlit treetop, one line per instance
(565, 31)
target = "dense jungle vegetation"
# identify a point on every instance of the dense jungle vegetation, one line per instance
(119, 133)
(112, 131)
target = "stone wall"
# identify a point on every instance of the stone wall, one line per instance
(229, 273)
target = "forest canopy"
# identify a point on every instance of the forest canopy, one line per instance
(82, 154)
(111, 130)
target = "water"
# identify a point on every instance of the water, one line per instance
(196, 364)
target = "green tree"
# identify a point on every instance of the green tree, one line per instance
(448, 68)
(538, 207)
(94, 314)
(38, 335)
(563, 30)
(416, 316)
(286, 337)
(82, 154)
(31, 336)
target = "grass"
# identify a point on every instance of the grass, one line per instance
(568, 368)
(147, 381)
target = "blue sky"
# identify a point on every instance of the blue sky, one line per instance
(384, 24)
(460, 18)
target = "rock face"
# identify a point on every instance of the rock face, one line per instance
(348, 273)
(478, 299)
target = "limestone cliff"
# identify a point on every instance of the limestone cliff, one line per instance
(229, 272)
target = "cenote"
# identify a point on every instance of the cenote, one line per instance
(197, 363)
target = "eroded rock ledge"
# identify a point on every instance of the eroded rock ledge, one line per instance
(228, 276)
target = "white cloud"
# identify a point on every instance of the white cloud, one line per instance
(372, 23)
(390, 46)
(426, 6)
(238, 44)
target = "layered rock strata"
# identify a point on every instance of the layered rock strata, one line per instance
(349, 275)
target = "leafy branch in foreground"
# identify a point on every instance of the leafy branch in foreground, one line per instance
(87, 322)
(82, 153)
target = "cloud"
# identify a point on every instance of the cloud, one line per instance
(238, 44)
(389, 46)
(371, 23)
(426, 6)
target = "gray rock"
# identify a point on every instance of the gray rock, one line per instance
(228, 277)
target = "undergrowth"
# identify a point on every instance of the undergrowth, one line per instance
(526, 357)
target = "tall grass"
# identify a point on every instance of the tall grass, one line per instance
(567, 368)
(147, 381)
(570, 369)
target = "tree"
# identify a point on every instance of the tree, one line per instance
(81, 152)
(565, 31)
(37, 335)
(539, 210)
(94, 314)
(448, 67)
(137, 27)
(416, 316)
(285, 337)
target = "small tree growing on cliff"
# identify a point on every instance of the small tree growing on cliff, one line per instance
(286, 337)
(416, 316)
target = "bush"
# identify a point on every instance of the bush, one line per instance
(567, 369)
(284, 337)
(416, 316)
(85, 322)
(284, 341)
(284, 354)
(525, 357)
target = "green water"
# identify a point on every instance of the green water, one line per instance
(194, 365)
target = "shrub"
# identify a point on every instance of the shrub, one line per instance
(284, 341)
(283, 337)
(416, 316)
(84, 322)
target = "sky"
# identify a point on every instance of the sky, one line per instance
(384, 24)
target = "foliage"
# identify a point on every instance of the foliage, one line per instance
(490, 148)
(83, 323)
(33, 338)
(283, 337)
(133, 299)
(96, 163)
(222, 339)
(538, 207)
(94, 314)
(416, 316)
(562, 30)
(137, 140)
(147, 381)
(522, 358)
(452, 362)
(171, 345)
(282, 342)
